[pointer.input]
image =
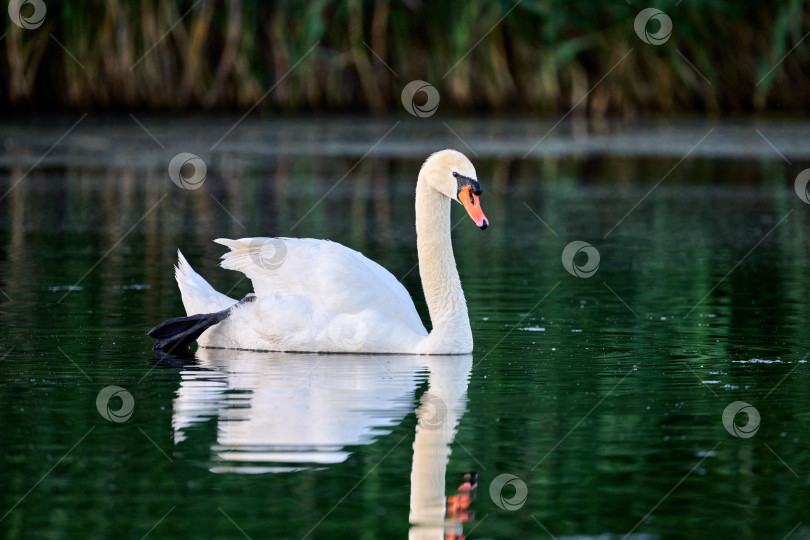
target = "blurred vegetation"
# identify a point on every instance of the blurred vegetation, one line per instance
(543, 57)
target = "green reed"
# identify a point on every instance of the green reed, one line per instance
(541, 57)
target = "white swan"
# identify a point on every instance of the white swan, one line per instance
(320, 296)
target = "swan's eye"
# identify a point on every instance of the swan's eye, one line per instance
(455, 174)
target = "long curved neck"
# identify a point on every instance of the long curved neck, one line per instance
(451, 332)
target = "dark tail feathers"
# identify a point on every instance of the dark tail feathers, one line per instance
(175, 335)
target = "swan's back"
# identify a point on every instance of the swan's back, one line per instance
(333, 278)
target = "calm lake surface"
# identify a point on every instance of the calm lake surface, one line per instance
(591, 407)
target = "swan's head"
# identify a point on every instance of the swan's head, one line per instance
(450, 173)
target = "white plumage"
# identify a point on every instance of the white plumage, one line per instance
(320, 296)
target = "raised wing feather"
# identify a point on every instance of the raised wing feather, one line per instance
(328, 274)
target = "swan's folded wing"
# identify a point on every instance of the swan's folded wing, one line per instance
(328, 274)
(263, 261)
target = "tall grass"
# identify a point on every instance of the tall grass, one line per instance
(543, 57)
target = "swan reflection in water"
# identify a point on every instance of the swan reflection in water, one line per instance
(281, 412)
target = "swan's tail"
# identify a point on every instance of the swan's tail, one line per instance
(198, 295)
(205, 308)
(175, 335)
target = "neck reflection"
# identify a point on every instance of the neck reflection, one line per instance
(278, 412)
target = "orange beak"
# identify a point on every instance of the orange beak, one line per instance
(473, 207)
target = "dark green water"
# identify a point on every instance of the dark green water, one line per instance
(604, 396)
